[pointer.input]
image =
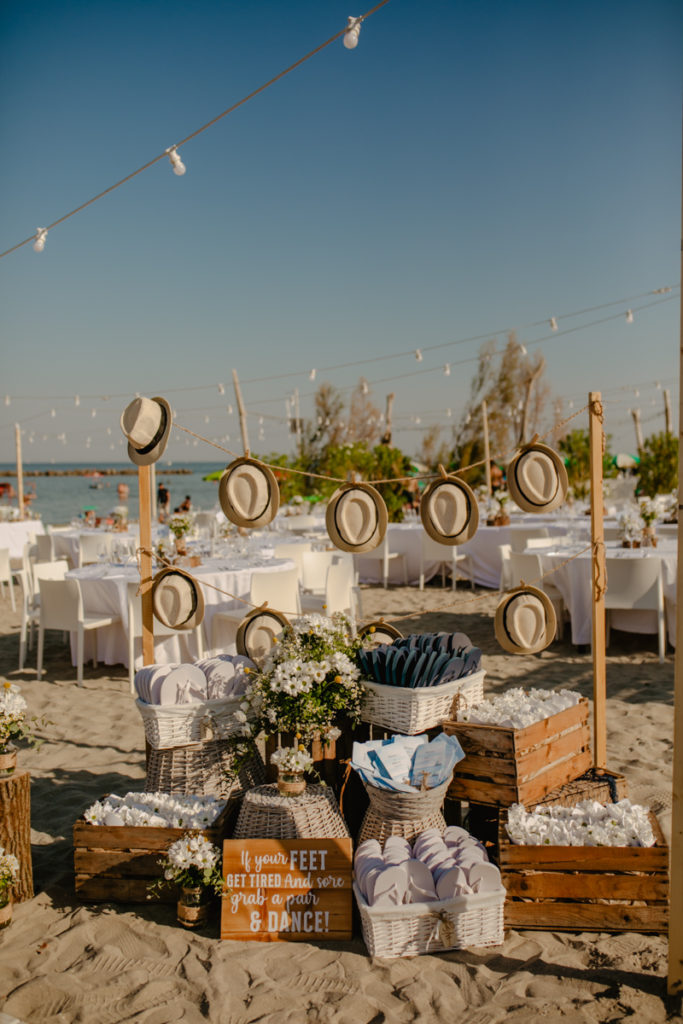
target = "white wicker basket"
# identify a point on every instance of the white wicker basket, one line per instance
(415, 928)
(410, 711)
(177, 725)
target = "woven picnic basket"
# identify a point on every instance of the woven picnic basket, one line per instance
(266, 814)
(415, 928)
(411, 711)
(178, 725)
(403, 814)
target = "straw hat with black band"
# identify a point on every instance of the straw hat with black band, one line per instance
(537, 478)
(449, 510)
(177, 599)
(525, 621)
(258, 631)
(146, 424)
(356, 518)
(248, 493)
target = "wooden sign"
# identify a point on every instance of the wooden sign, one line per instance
(298, 890)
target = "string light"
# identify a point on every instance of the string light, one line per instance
(229, 410)
(629, 316)
(41, 238)
(523, 350)
(352, 32)
(53, 413)
(447, 370)
(77, 400)
(311, 375)
(553, 323)
(418, 355)
(93, 413)
(364, 387)
(176, 163)
(448, 413)
(8, 400)
(221, 389)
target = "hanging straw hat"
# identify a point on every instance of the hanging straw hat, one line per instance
(356, 518)
(177, 599)
(449, 510)
(146, 423)
(525, 621)
(258, 631)
(537, 479)
(248, 493)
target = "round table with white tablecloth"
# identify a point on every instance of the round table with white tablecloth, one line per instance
(105, 589)
(13, 535)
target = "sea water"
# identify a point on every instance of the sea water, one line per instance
(60, 499)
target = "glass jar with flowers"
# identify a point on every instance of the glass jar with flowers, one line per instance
(496, 512)
(306, 685)
(291, 763)
(180, 526)
(649, 511)
(630, 529)
(193, 864)
(14, 725)
(9, 872)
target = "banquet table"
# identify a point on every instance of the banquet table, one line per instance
(14, 535)
(105, 589)
(66, 542)
(483, 549)
(573, 580)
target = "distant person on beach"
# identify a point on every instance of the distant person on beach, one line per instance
(123, 491)
(497, 477)
(185, 505)
(163, 502)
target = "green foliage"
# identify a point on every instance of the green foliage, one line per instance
(658, 470)
(575, 447)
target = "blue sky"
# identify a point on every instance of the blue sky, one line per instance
(469, 168)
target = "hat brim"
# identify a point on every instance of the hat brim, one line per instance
(430, 520)
(263, 515)
(336, 528)
(267, 619)
(147, 456)
(197, 615)
(516, 487)
(506, 636)
(380, 632)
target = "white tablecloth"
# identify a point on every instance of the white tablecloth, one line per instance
(104, 589)
(14, 535)
(66, 542)
(573, 580)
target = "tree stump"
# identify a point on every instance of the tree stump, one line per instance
(15, 829)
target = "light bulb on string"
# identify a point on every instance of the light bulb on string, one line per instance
(221, 389)
(447, 370)
(523, 350)
(553, 323)
(629, 316)
(176, 163)
(229, 410)
(77, 400)
(352, 32)
(448, 413)
(93, 413)
(41, 238)
(53, 413)
(8, 400)
(311, 375)
(418, 355)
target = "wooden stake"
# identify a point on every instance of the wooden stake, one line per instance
(146, 565)
(598, 581)
(20, 470)
(487, 453)
(297, 416)
(639, 430)
(15, 829)
(667, 411)
(242, 413)
(675, 976)
(524, 426)
(386, 436)
(153, 491)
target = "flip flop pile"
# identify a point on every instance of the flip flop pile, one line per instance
(423, 659)
(437, 867)
(208, 679)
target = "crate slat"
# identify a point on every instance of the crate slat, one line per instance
(585, 917)
(588, 885)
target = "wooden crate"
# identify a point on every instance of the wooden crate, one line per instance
(505, 766)
(117, 864)
(586, 888)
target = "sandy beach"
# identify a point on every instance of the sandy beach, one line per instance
(62, 961)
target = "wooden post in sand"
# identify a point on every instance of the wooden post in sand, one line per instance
(20, 470)
(667, 411)
(487, 453)
(675, 976)
(386, 436)
(15, 829)
(639, 430)
(146, 564)
(242, 412)
(598, 581)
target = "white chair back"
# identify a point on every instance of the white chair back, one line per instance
(520, 536)
(92, 547)
(295, 552)
(314, 566)
(45, 545)
(279, 589)
(539, 543)
(525, 567)
(206, 522)
(634, 583)
(339, 589)
(5, 573)
(299, 524)
(48, 571)
(61, 605)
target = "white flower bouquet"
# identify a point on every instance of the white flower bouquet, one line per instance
(9, 870)
(192, 863)
(649, 510)
(291, 760)
(180, 525)
(630, 526)
(13, 721)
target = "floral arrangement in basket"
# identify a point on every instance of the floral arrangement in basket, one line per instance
(9, 871)
(307, 682)
(193, 864)
(14, 723)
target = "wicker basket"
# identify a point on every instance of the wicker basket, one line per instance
(415, 928)
(410, 711)
(266, 814)
(405, 814)
(201, 770)
(178, 725)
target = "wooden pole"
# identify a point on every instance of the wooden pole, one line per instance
(386, 436)
(144, 476)
(675, 975)
(487, 453)
(20, 470)
(297, 417)
(153, 491)
(639, 430)
(15, 829)
(524, 427)
(667, 411)
(599, 581)
(242, 413)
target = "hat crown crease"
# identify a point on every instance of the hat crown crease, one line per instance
(538, 475)
(526, 621)
(357, 517)
(248, 493)
(448, 510)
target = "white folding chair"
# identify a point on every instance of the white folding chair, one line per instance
(30, 609)
(520, 536)
(295, 552)
(529, 569)
(302, 523)
(505, 572)
(160, 631)
(540, 543)
(61, 607)
(314, 566)
(279, 589)
(636, 584)
(383, 555)
(94, 547)
(338, 595)
(446, 555)
(46, 547)
(7, 576)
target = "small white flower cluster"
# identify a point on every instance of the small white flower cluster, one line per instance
(9, 869)
(191, 851)
(318, 624)
(155, 810)
(518, 708)
(649, 510)
(587, 824)
(291, 759)
(12, 705)
(668, 506)
(630, 525)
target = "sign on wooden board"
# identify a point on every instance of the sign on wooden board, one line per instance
(297, 890)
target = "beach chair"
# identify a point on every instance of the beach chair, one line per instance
(636, 584)
(30, 609)
(61, 607)
(7, 576)
(448, 558)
